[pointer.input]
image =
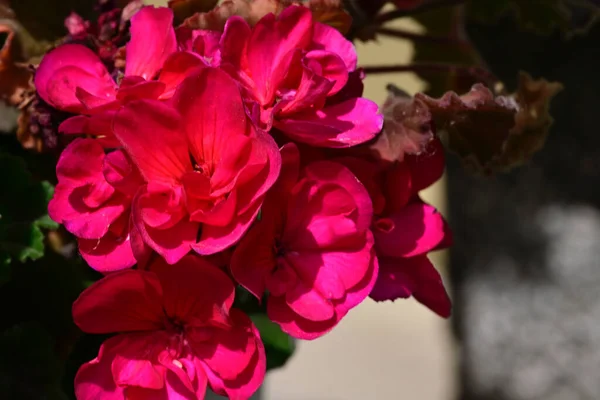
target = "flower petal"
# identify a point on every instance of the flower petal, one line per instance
(107, 254)
(129, 300)
(330, 39)
(150, 133)
(152, 41)
(346, 124)
(194, 290)
(68, 67)
(94, 380)
(416, 229)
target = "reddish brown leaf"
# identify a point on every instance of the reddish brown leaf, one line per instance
(475, 125)
(14, 74)
(407, 127)
(494, 133)
(532, 122)
(330, 12)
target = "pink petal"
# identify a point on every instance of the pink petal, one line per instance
(368, 174)
(130, 91)
(359, 292)
(211, 107)
(417, 229)
(330, 66)
(129, 300)
(254, 258)
(330, 39)
(309, 303)
(68, 67)
(80, 161)
(152, 41)
(216, 238)
(251, 369)
(94, 380)
(120, 172)
(416, 276)
(134, 363)
(398, 186)
(341, 125)
(428, 167)
(150, 133)
(176, 68)
(173, 243)
(233, 43)
(271, 46)
(350, 195)
(393, 281)
(107, 254)
(194, 290)
(207, 45)
(312, 90)
(293, 324)
(97, 125)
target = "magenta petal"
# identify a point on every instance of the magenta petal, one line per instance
(394, 281)
(217, 238)
(176, 68)
(251, 370)
(151, 133)
(271, 45)
(428, 167)
(125, 301)
(416, 229)
(416, 276)
(68, 67)
(328, 38)
(152, 41)
(330, 66)
(293, 324)
(172, 243)
(309, 303)
(431, 291)
(108, 254)
(341, 125)
(135, 363)
(94, 380)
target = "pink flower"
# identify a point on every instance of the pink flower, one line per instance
(312, 249)
(73, 78)
(291, 69)
(207, 169)
(405, 228)
(177, 333)
(92, 200)
(402, 242)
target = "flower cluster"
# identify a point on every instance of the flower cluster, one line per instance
(232, 146)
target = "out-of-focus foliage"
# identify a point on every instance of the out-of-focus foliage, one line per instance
(23, 212)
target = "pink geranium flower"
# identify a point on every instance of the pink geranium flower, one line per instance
(92, 200)
(73, 78)
(311, 250)
(207, 169)
(177, 333)
(405, 228)
(291, 68)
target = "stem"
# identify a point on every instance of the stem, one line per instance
(478, 73)
(395, 14)
(415, 37)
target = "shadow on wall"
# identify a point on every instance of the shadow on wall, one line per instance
(526, 262)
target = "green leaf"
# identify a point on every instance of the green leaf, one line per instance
(278, 345)
(29, 367)
(23, 211)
